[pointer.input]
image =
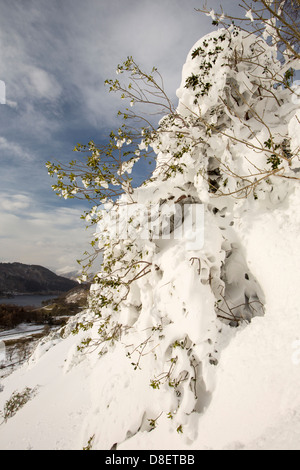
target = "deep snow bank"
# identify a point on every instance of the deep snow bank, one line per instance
(256, 403)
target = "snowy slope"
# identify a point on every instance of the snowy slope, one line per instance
(255, 404)
(161, 369)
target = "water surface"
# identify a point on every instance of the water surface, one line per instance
(27, 300)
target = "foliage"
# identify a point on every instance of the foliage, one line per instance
(16, 402)
(104, 173)
(218, 145)
(277, 20)
(89, 445)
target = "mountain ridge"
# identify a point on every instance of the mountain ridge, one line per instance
(19, 278)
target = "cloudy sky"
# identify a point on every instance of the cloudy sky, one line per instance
(54, 58)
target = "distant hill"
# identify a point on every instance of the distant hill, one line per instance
(18, 278)
(69, 273)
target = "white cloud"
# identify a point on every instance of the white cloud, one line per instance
(34, 234)
(50, 47)
(41, 84)
(14, 149)
(15, 203)
(11, 104)
(66, 49)
(157, 33)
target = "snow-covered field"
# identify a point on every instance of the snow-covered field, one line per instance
(23, 330)
(179, 376)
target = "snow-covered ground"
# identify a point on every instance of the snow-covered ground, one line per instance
(23, 330)
(256, 401)
(179, 376)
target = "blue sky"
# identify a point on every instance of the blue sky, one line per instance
(54, 58)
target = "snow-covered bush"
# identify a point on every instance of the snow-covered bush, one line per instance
(165, 304)
(233, 118)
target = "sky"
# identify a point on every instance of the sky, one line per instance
(54, 58)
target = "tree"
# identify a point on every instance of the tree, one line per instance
(233, 138)
(255, 63)
(275, 19)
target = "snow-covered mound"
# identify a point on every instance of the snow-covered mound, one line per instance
(191, 340)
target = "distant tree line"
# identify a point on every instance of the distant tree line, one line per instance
(13, 315)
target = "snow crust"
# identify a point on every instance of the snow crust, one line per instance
(236, 383)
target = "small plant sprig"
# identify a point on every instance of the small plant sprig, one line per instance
(143, 89)
(101, 176)
(89, 445)
(16, 402)
(145, 347)
(153, 422)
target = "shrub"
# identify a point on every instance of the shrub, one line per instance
(17, 401)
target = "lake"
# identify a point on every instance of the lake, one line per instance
(26, 300)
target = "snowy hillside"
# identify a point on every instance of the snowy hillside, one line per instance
(192, 338)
